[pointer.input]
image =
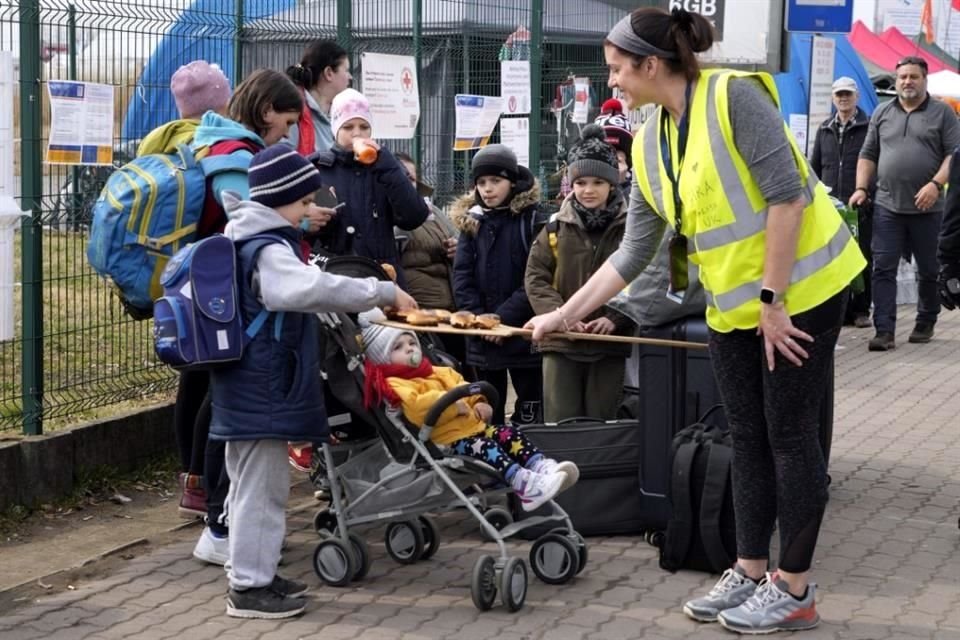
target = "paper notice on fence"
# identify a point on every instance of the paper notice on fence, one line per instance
(81, 123)
(515, 86)
(515, 133)
(476, 118)
(798, 126)
(6, 124)
(581, 100)
(390, 84)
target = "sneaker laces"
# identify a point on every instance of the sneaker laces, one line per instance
(766, 594)
(729, 581)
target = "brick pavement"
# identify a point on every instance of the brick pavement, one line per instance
(888, 562)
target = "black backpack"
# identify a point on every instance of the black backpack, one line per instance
(701, 532)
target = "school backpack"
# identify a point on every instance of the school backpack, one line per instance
(197, 322)
(147, 211)
(701, 532)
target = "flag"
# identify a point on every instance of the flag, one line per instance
(955, 4)
(926, 19)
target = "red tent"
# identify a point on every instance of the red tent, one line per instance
(895, 39)
(872, 48)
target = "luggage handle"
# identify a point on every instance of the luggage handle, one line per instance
(577, 419)
(709, 412)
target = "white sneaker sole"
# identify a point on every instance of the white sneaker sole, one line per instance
(263, 615)
(747, 631)
(699, 617)
(571, 472)
(547, 495)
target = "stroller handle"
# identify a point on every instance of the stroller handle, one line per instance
(482, 388)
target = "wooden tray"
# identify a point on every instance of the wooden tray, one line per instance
(506, 331)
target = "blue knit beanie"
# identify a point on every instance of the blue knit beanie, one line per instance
(279, 176)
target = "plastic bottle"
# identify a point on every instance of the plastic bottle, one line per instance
(364, 152)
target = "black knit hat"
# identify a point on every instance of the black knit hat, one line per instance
(591, 156)
(279, 176)
(495, 160)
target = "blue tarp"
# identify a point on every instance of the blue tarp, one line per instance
(793, 85)
(203, 32)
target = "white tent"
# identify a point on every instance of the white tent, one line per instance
(944, 84)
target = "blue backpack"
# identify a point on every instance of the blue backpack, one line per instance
(147, 211)
(197, 323)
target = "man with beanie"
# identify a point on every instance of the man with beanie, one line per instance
(618, 134)
(397, 373)
(273, 394)
(197, 87)
(498, 220)
(581, 378)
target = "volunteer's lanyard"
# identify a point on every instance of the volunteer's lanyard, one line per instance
(683, 130)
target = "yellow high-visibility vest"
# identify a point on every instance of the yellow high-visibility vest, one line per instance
(724, 214)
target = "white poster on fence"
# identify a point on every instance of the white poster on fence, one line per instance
(476, 118)
(390, 84)
(6, 124)
(798, 126)
(822, 56)
(81, 123)
(515, 133)
(581, 100)
(515, 86)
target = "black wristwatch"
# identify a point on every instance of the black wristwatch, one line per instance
(769, 296)
(937, 185)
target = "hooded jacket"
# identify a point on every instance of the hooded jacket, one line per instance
(376, 198)
(489, 267)
(275, 390)
(426, 267)
(166, 137)
(553, 276)
(418, 395)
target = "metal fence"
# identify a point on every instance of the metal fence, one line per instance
(74, 350)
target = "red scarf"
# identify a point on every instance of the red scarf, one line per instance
(375, 387)
(307, 142)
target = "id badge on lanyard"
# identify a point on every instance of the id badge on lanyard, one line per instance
(679, 257)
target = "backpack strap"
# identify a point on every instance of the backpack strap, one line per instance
(680, 528)
(719, 458)
(221, 157)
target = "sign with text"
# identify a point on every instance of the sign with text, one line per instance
(390, 84)
(81, 123)
(476, 118)
(820, 16)
(712, 10)
(515, 133)
(515, 86)
(822, 56)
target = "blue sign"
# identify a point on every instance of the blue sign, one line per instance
(820, 16)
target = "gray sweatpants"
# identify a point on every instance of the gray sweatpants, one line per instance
(259, 489)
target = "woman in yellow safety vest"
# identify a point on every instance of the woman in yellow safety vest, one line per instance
(716, 168)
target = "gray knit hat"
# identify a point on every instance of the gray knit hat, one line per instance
(378, 340)
(592, 156)
(495, 160)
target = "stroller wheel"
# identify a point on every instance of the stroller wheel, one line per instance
(325, 523)
(499, 517)
(362, 555)
(554, 558)
(404, 541)
(513, 584)
(334, 562)
(579, 543)
(431, 537)
(483, 583)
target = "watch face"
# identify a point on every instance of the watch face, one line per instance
(767, 296)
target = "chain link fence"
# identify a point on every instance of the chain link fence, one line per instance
(73, 350)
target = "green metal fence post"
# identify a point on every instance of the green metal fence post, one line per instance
(237, 42)
(345, 25)
(31, 176)
(77, 199)
(417, 53)
(536, 91)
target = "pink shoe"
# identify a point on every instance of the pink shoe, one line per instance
(193, 497)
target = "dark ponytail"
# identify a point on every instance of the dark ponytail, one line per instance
(318, 55)
(679, 31)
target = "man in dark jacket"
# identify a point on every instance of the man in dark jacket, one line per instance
(948, 251)
(834, 159)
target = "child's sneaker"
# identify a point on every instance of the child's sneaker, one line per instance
(771, 608)
(262, 602)
(211, 548)
(534, 489)
(300, 455)
(547, 465)
(732, 589)
(193, 497)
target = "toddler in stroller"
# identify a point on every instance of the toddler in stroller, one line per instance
(396, 372)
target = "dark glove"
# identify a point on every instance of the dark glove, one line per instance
(948, 286)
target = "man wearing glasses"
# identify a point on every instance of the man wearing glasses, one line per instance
(835, 151)
(908, 148)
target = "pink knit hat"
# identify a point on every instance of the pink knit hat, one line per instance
(199, 87)
(347, 105)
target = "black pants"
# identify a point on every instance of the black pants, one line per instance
(779, 471)
(860, 302)
(191, 433)
(527, 382)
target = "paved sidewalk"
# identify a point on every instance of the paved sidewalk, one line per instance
(888, 560)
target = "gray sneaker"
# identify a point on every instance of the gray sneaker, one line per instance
(262, 602)
(771, 608)
(289, 588)
(732, 589)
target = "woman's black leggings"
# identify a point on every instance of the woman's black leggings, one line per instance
(779, 471)
(190, 425)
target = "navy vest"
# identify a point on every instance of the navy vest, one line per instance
(274, 391)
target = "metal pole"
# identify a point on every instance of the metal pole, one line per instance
(73, 217)
(345, 25)
(417, 54)
(536, 90)
(31, 184)
(237, 42)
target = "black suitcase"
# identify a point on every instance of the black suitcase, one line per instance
(606, 500)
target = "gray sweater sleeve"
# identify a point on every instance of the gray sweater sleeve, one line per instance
(641, 237)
